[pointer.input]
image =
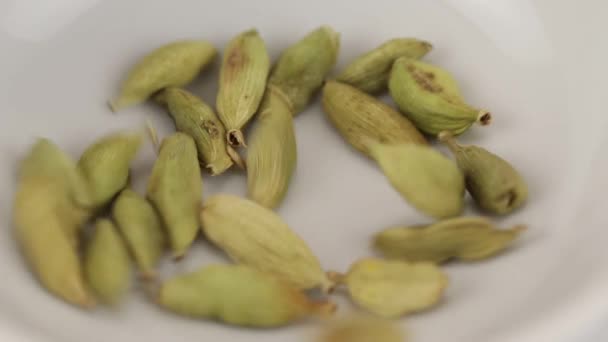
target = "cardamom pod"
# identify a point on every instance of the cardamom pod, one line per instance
(255, 236)
(464, 238)
(362, 329)
(239, 295)
(195, 118)
(272, 156)
(427, 179)
(107, 263)
(175, 189)
(492, 182)
(429, 96)
(391, 289)
(72, 201)
(360, 117)
(302, 68)
(105, 165)
(243, 75)
(47, 238)
(142, 229)
(370, 71)
(172, 65)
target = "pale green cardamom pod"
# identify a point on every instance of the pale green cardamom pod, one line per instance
(429, 96)
(427, 179)
(239, 295)
(360, 117)
(302, 68)
(72, 200)
(494, 184)
(107, 263)
(272, 156)
(362, 328)
(255, 236)
(370, 71)
(172, 65)
(47, 239)
(142, 229)
(463, 238)
(106, 163)
(175, 189)
(391, 289)
(195, 118)
(243, 76)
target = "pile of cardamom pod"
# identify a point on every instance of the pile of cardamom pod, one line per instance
(274, 269)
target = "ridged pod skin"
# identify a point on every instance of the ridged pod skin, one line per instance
(430, 98)
(47, 216)
(424, 177)
(238, 295)
(106, 163)
(272, 154)
(195, 118)
(243, 77)
(359, 117)
(172, 65)
(175, 189)
(462, 238)
(493, 183)
(255, 236)
(142, 230)
(370, 71)
(302, 68)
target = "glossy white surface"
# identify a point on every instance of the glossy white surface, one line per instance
(539, 65)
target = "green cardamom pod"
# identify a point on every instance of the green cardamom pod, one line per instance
(360, 117)
(243, 76)
(302, 68)
(239, 295)
(255, 236)
(427, 179)
(362, 328)
(172, 65)
(492, 182)
(272, 156)
(175, 189)
(107, 263)
(106, 163)
(142, 229)
(195, 118)
(391, 289)
(429, 96)
(370, 71)
(463, 238)
(47, 239)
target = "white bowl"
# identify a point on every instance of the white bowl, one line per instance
(539, 65)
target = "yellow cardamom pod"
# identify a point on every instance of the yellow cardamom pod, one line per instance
(47, 219)
(302, 68)
(492, 182)
(360, 117)
(243, 76)
(107, 263)
(239, 295)
(142, 229)
(429, 96)
(172, 65)
(106, 163)
(370, 71)
(391, 288)
(255, 236)
(272, 155)
(463, 238)
(175, 189)
(195, 118)
(427, 179)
